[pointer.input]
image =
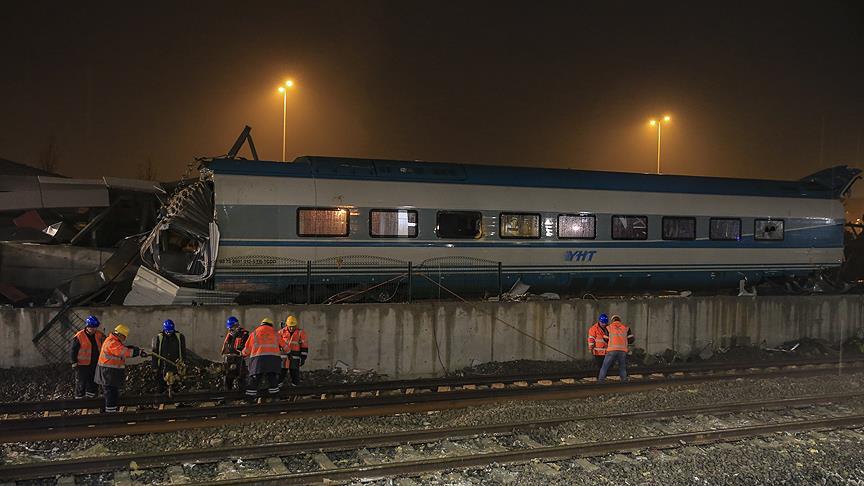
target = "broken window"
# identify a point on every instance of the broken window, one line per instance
(459, 224)
(393, 223)
(322, 222)
(768, 229)
(577, 226)
(520, 225)
(629, 227)
(677, 228)
(725, 229)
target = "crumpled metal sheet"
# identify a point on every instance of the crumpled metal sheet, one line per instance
(188, 214)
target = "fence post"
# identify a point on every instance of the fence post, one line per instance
(500, 282)
(308, 282)
(410, 280)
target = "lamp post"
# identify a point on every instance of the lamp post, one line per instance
(658, 122)
(284, 91)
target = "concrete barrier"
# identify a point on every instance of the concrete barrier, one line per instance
(425, 339)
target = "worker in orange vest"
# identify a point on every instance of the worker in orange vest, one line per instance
(263, 353)
(620, 338)
(298, 350)
(235, 365)
(111, 369)
(84, 353)
(598, 335)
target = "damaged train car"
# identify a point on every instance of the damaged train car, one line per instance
(280, 231)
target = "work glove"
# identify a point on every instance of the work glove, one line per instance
(143, 354)
(302, 361)
(74, 365)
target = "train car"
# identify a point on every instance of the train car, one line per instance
(557, 230)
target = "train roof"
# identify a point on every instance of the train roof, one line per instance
(826, 184)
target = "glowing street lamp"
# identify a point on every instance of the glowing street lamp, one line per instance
(658, 122)
(284, 91)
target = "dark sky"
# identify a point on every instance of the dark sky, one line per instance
(752, 86)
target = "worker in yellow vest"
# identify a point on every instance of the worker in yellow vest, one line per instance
(620, 339)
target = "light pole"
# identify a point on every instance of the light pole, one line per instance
(658, 122)
(284, 91)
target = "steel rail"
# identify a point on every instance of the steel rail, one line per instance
(393, 385)
(543, 453)
(93, 465)
(134, 423)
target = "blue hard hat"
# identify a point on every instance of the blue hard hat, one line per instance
(92, 321)
(231, 322)
(168, 325)
(604, 319)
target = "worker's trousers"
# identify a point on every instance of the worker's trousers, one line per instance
(254, 380)
(112, 397)
(295, 375)
(598, 361)
(84, 384)
(619, 357)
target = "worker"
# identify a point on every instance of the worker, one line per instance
(111, 369)
(263, 353)
(170, 344)
(620, 339)
(84, 353)
(235, 365)
(598, 335)
(298, 349)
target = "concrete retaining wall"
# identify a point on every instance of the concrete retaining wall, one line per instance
(422, 339)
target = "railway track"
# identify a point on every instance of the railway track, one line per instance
(12, 409)
(376, 401)
(416, 452)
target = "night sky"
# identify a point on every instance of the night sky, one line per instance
(755, 89)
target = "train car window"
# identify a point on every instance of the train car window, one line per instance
(768, 229)
(519, 225)
(629, 227)
(678, 228)
(577, 226)
(393, 223)
(459, 224)
(724, 229)
(322, 222)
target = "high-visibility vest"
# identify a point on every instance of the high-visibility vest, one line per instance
(229, 345)
(597, 336)
(161, 338)
(264, 341)
(618, 333)
(296, 343)
(85, 352)
(114, 353)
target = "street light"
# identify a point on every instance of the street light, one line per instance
(658, 122)
(284, 91)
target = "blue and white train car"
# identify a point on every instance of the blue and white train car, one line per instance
(566, 231)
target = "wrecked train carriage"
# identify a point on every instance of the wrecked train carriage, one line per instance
(338, 222)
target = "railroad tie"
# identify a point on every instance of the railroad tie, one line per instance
(367, 457)
(66, 481)
(528, 441)
(226, 470)
(177, 476)
(323, 461)
(587, 465)
(122, 478)
(276, 465)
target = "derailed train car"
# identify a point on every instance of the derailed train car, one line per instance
(564, 231)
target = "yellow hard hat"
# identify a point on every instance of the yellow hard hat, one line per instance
(291, 321)
(267, 320)
(122, 329)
